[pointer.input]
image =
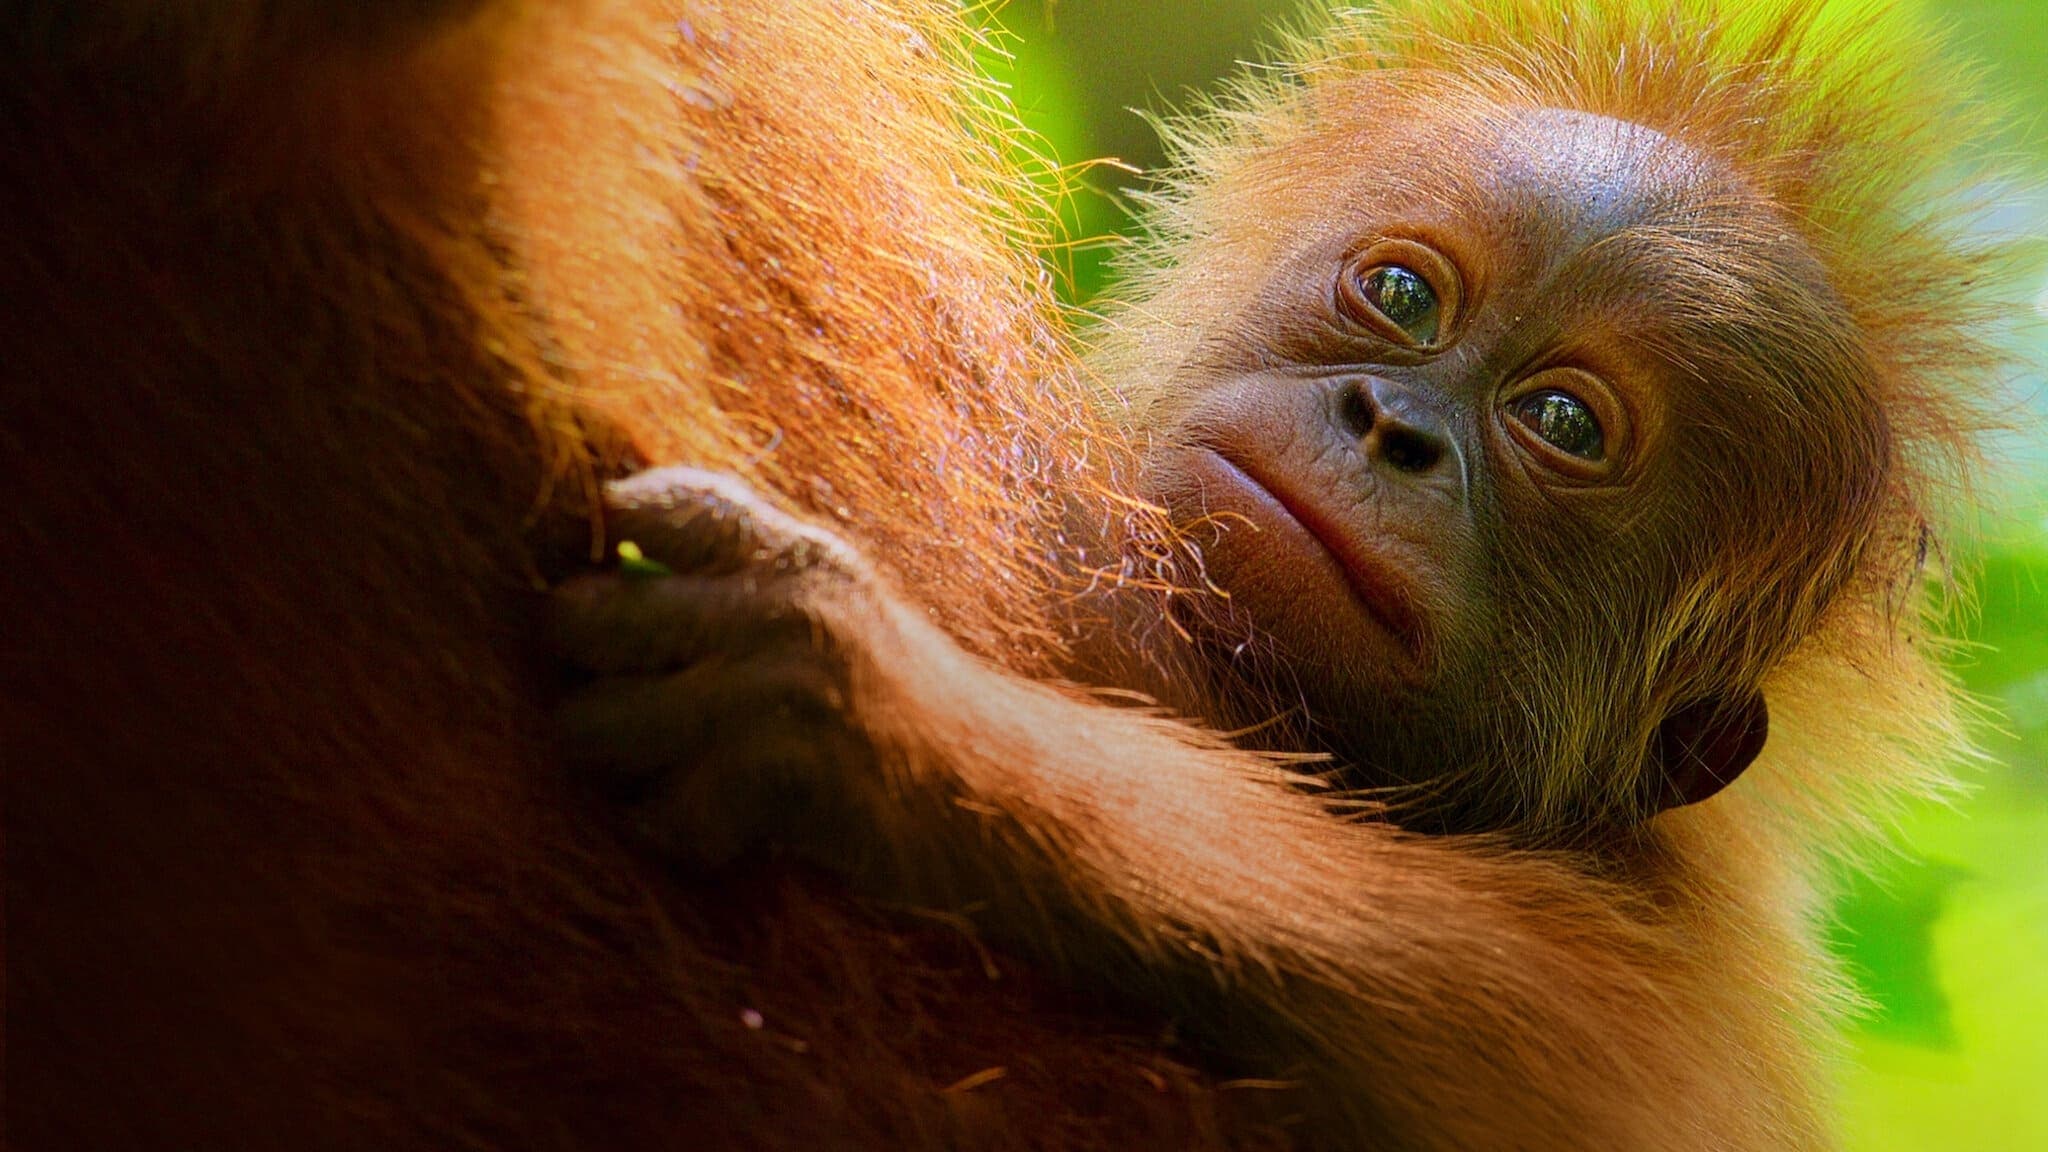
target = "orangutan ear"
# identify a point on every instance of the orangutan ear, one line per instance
(1702, 747)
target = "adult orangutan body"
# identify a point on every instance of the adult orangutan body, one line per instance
(325, 313)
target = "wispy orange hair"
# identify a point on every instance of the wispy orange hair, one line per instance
(1845, 115)
(1848, 117)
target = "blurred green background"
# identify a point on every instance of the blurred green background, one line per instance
(1949, 939)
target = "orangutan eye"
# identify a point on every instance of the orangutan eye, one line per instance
(1562, 421)
(1405, 299)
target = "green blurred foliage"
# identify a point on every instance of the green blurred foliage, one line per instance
(1947, 937)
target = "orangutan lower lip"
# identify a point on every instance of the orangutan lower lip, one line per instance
(1380, 592)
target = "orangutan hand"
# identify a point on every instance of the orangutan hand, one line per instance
(724, 652)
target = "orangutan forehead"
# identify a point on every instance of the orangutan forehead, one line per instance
(1609, 205)
(1596, 175)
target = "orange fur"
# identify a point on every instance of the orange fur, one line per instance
(326, 318)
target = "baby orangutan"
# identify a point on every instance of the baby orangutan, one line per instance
(1525, 422)
(1513, 396)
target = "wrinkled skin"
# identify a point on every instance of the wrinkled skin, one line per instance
(740, 652)
(1437, 585)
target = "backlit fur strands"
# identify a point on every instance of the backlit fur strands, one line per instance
(727, 249)
(323, 320)
(1843, 116)
(323, 316)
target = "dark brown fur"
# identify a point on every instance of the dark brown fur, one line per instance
(324, 321)
(315, 310)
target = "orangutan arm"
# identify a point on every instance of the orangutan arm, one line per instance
(1446, 992)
